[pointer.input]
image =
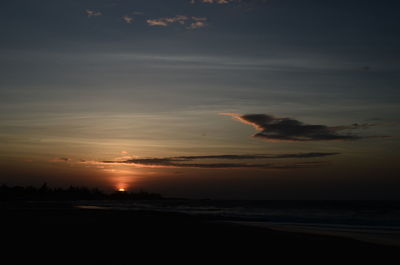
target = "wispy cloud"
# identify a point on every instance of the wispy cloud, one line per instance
(198, 22)
(61, 159)
(213, 1)
(287, 129)
(93, 13)
(229, 1)
(243, 5)
(200, 19)
(197, 25)
(193, 161)
(157, 22)
(191, 22)
(256, 156)
(128, 19)
(167, 20)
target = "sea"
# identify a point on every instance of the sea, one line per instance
(370, 221)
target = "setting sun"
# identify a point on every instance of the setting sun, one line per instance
(121, 190)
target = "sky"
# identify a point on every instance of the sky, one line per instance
(224, 99)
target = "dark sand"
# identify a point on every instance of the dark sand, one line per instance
(62, 234)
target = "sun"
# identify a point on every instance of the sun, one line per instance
(121, 190)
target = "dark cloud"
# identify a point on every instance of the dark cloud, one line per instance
(61, 159)
(244, 165)
(260, 156)
(287, 129)
(354, 126)
(182, 161)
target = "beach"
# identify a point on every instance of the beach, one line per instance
(61, 232)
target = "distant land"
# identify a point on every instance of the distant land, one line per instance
(46, 193)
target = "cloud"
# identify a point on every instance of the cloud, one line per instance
(257, 156)
(197, 25)
(60, 159)
(191, 161)
(167, 20)
(213, 1)
(157, 22)
(192, 22)
(287, 129)
(198, 22)
(128, 19)
(222, 2)
(244, 5)
(200, 19)
(93, 13)
(355, 126)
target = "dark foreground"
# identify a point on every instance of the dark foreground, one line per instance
(62, 234)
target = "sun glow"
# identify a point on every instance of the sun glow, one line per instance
(120, 177)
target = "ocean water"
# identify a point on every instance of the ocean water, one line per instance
(371, 221)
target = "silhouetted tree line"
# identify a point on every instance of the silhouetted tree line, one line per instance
(45, 193)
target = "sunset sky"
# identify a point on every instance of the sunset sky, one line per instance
(228, 99)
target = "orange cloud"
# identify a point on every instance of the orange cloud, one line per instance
(163, 22)
(192, 22)
(197, 25)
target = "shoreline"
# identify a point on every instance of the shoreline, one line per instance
(104, 234)
(390, 238)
